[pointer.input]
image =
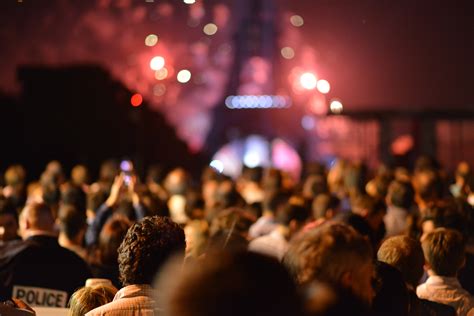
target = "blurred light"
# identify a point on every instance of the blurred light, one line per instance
(297, 20)
(159, 90)
(151, 40)
(161, 74)
(307, 122)
(287, 52)
(318, 105)
(251, 159)
(218, 165)
(308, 81)
(189, 1)
(157, 63)
(402, 144)
(136, 99)
(323, 86)
(336, 107)
(257, 102)
(210, 29)
(184, 76)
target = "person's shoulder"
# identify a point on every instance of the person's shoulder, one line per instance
(124, 306)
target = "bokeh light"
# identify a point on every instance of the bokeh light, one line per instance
(210, 29)
(308, 81)
(136, 99)
(159, 90)
(307, 122)
(323, 86)
(296, 20)
(151, 40)
(161, 74)
(157, 63)
(184, 76)
(218, 165)
(189, 1)
(287, 52)
(336, 106)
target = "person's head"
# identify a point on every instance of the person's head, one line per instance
(50, 188)
(154, 174)
(293, 215)
(147, 245)
(333, 253)
(405, 254)
(400, 194)
(15, 176)
(36, 216)
(176, 182)
(89, 297)
(272, 202)
(314, 185)
(72, 223)
(8, 220)
(373, 211)
(239, 283)
(72, 194)
(444, 251)
(79, 175)
(272, 180)
(325, 206)
(109, 169)
(227, 195)
(445, 213)
(194, 208)
(197, 232)
(427, 185)
(232, 220)
(110, 238)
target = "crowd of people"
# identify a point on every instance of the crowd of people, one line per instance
(344, 240)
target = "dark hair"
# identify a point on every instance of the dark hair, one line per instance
(291, 212)
(148, 244)
(7, 208)
(73, 195)
(400, 194)
(315, 185)
(322, 203)
(273, 201)
(240, 283)
(368, 204)
(428, 185)
(110, 238)
(391, 294)
(272, 180)
(71, 221)
(444, 251)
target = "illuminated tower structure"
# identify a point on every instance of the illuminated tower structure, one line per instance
(252, 104)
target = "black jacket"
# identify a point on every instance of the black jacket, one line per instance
(40, 271)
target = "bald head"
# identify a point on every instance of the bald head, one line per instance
(36, 216)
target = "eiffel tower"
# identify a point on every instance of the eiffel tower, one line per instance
(255, 42)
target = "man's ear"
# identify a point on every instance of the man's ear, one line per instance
(426, 266)
(346, 279)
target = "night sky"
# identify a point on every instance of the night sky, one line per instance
(377, 54)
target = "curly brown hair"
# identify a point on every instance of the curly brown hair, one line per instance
(147, 245)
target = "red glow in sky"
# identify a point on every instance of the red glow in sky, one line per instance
(136, 99)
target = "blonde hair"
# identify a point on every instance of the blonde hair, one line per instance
(89, 297)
